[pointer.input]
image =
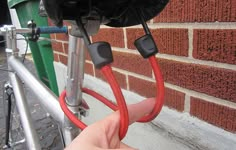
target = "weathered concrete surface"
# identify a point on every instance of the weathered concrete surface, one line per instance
(170, 130)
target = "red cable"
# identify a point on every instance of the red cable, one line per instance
(107, 71)
(68, 113)
(124, 116)
(72, 117)
(160, 91)
(100, 98)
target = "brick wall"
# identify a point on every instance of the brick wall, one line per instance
(197, 45)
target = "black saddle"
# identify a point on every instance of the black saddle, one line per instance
(114, 13)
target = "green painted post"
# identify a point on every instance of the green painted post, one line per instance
(41, 51)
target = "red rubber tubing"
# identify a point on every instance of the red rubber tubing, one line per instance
(100, 98)
(107, 71)
(68, 113)
(159, 99)
(124, 116)
(160, 91)
(72, 117)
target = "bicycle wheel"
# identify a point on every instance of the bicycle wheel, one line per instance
(14, 135)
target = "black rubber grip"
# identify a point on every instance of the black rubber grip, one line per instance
(100, 53)
(146, 46)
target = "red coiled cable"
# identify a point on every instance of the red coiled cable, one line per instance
(107, 71)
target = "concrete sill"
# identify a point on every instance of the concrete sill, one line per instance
(170, 130)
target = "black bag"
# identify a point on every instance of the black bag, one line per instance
(116, 13)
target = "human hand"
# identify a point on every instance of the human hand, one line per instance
(104, 134)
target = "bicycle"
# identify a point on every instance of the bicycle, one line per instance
(71, 106)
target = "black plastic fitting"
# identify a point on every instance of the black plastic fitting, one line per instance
(100, 53)
(146, 46)
(34, 35)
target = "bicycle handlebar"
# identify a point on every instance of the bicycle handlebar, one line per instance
(48, 30)
(40, 30)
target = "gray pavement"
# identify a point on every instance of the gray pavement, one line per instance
(45, 127)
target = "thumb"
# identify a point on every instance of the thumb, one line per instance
(136, 111)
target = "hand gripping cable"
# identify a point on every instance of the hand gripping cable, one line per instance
(120, 99)
(101, 56)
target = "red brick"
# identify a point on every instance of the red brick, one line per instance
(215, 45)
(50, 22)
(174, 99)
(198, 11)
(98, 74)
(215, 114)
(142, 87)
(114, 36)
(65, 45)
(132, 35)
(120, 78)
(87, 55)
(88, 69)
(66, 23)
(169, 41)
(57, 46)
(53, 36)
(63, 59)
(62, 37)
(56, 57)
(133, 63)
(213, 81)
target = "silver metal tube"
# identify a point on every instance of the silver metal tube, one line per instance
(75, 71)
(23, 30)
(18, 31)
(25, 116)
(47, 99)
(14, 45)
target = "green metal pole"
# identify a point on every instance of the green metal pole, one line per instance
(41, 51)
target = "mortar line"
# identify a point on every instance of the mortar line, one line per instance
(190, 42)
(61, 53)
(190, 93)
(202, 96)
(184, 59)
(187, 103)
(127, 81)
(125, 37)
(195, 25)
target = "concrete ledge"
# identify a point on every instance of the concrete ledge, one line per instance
(170, 130)
(180, 127)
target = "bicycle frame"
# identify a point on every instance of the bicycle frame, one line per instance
(72, 97)
(46, 98)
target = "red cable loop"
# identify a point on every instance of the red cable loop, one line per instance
(68, 113)
(160, 91)
(100, 98)
(124, 117)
